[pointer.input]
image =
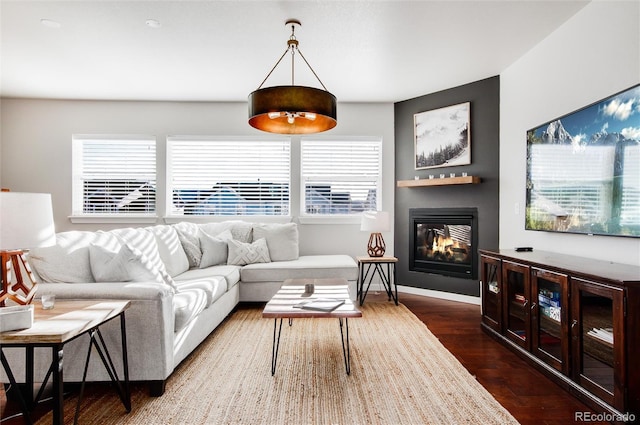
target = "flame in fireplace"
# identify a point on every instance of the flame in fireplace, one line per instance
(443, 247)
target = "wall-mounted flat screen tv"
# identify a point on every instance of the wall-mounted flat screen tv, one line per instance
(583, 170)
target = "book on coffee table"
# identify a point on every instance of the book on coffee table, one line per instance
(320, 304)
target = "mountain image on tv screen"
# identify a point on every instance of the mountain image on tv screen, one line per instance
(583, 170)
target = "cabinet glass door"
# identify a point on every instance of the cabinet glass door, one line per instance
(515, 280)
(491, 303)
(550, 318)
(596, 337)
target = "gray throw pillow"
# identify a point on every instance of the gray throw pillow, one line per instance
(282, 240)
(214, 248)
(126, 265)
(191, 246)
(241, 253)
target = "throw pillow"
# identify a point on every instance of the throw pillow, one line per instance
(282, 240)
(56, 264)
(241, 230)
(170, 249)
(128, 264)
(145, 241)
(191, 245)
(214, 249)
(241, 253)
(68, 260)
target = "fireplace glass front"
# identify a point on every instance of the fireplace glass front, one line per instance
(443, 241)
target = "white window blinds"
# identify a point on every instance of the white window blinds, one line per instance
(213, 176)
(630, 199)
(114, 175)
(340, 177)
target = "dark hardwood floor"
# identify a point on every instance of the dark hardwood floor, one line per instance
(526, 393)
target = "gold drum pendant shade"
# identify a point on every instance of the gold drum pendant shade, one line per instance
(272, 109)
(292, 109)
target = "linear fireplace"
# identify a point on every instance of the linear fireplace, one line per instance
(443, 241)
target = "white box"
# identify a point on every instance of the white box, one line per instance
(16, 317)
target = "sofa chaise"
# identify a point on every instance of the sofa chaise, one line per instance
(182, 280)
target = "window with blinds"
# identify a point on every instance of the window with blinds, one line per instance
(340, 177)
(222, 177)
(630, 199)
(114, 175)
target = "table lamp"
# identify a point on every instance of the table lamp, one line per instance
(375, 222)
(26, 221)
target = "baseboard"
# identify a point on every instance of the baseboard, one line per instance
(439, 294)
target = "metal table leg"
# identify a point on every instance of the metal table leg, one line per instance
(346, 353)
(277, 330)
(16, 389)
(58, 394)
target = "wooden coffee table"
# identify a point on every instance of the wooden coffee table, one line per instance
(292, 293)
(53, 328)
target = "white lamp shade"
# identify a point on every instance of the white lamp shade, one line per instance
(375, 221)
(26, 220)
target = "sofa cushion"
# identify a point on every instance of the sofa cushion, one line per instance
(127, 264)
(68, 260)
(214, 248)
(241, 253)
(306, 266)
(213, 286)
(282, 240)
(230, 273)
(241, 230)
(187, 304)
(170, 249)
(188, 236)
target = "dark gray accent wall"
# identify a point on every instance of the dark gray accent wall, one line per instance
(484, 96)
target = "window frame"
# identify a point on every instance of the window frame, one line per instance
(171, 217)
(305, 217)
(77, 192)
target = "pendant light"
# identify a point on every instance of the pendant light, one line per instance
(292, 109)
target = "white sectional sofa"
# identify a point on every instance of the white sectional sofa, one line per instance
(182, 280)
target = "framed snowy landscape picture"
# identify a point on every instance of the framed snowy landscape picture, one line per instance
(443, 137)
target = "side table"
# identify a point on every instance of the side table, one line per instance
(388, 276)
(53, 329)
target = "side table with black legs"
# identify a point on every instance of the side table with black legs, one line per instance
(375, 266)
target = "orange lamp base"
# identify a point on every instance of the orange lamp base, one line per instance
(376, 246)
(18, 283)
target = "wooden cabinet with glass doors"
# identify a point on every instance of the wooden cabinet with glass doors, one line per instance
(575, 319)
(515, 298)
(490, 280)
(550, 338)
(598, 340)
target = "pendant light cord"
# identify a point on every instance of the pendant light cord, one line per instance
(292, 44)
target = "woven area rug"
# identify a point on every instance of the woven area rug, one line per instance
(400, 374)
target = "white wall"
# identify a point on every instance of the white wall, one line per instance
(593, 55)
(36, 150)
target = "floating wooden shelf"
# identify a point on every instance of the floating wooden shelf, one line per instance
(439, 182)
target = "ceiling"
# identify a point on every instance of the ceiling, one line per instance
(363, 51)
